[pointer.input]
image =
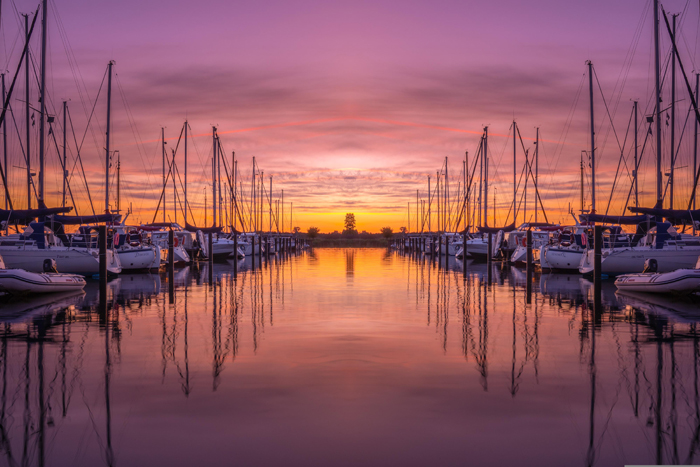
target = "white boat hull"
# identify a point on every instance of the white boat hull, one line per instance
(138, 258)
(631, 260)
(555, 258)
(68, 260)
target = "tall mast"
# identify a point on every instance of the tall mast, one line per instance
(26, 97)
(222, 211)
(65, 161)
(172, 173)
(590, 90)
(42, 94)
(291, 217)
(417, 213)
(186, 205)
(636, 156)
(109, 115)
(4, 144)
(439, 208)
(282, 217)
(233, 190)
(515, 188)
(119, 166)
(695, 142)
(582, 202)
(162, 138)
(213, 174)
(430, 203)
(486, 176)
(445, 220)
(658, 100)
(261, 181)
(671, 180)
(527, 179)
(253, 211)
(466, 190)
(270, 200)
(537, 166)
(481, 178)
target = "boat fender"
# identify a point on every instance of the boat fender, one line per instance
(651, 265)
(176, 241)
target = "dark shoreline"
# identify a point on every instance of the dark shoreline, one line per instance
(349, 243)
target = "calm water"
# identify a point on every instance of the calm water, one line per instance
(348, 357)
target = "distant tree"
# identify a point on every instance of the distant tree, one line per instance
(387, 232)
(296, 230)
(312, 232)
(404, 230)
(350, 224)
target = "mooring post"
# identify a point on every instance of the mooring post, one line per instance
(102, 242)
(211, 258)
(598, 247)
(529, 269)
(464, 255)
(171, 266)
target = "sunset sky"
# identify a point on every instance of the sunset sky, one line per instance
(351, 105)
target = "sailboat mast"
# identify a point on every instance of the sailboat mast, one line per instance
(445, 218)
(26, 97)
(42, 95)
(658, 100)
(590, 91)
(162, 140)
(465, 190)
(213, 175)
(417, 213)
(430, 203)
(439, 209)
(269, 198)
(109, 116)
(582, 202)
(4, 145)
(253, 211)
(671, 180)
(537, 165)
(65, 160)
(636, 156)
(515, 188)
(186, 205)
(486, 176)
(119, 166)
(172, 172)
(282, 217)
(695, 142)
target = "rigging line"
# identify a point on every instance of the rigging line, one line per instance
(78, 158)
(639, 162)
(528, 163)
(607, 110)
(92, 112)
(677, 149)
(58, 152)
(619, 162)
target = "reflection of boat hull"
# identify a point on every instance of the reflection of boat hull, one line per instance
(21, 310)
(680, 309)
(681, 282)
(19, 281)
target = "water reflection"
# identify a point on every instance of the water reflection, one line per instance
(390, 359)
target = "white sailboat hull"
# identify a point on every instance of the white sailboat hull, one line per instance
(631, 260)
(68, 260)
(138, 258)
(560, 259)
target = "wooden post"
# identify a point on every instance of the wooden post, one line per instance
(102, 242)
(598, 247)
(171, 266)
(464, 255)
(529, 270)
